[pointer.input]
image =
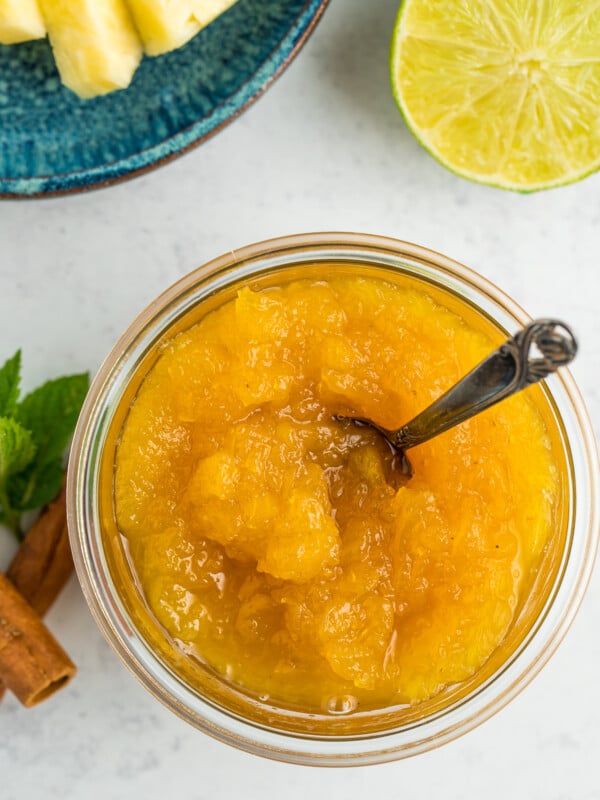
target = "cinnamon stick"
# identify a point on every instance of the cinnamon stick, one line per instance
(43, 563)
(32, 663)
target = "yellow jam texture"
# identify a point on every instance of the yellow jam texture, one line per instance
(264, 534)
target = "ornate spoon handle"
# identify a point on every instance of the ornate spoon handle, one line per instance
(533, 353)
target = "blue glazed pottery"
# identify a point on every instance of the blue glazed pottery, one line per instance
(51, 142)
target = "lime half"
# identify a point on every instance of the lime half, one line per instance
(504, 92)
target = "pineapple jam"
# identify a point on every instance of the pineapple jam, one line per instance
(264, 535)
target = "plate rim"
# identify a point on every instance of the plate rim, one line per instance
(92, 178)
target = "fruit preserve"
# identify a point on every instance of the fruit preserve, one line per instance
(266, 537)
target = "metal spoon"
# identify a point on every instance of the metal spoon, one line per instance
(536, 351)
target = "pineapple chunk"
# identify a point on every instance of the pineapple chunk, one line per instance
(20, 20)
(95, 44)
(167, 24)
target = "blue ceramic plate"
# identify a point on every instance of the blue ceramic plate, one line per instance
(51, 142)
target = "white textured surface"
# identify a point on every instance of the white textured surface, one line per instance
(325, 149)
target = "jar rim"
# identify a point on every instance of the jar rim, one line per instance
(85, 527)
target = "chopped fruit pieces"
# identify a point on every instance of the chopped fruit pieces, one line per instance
(164, 25)
(20, 21)
(98, 44)
(95, 44)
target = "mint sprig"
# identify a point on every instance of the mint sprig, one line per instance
(34, 433)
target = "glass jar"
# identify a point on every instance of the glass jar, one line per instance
(223, 710)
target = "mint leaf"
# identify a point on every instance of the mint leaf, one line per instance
(10, 375)
(16, 448)
(17, 451)
(33, 436)
(50, 413)
(36, 485)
